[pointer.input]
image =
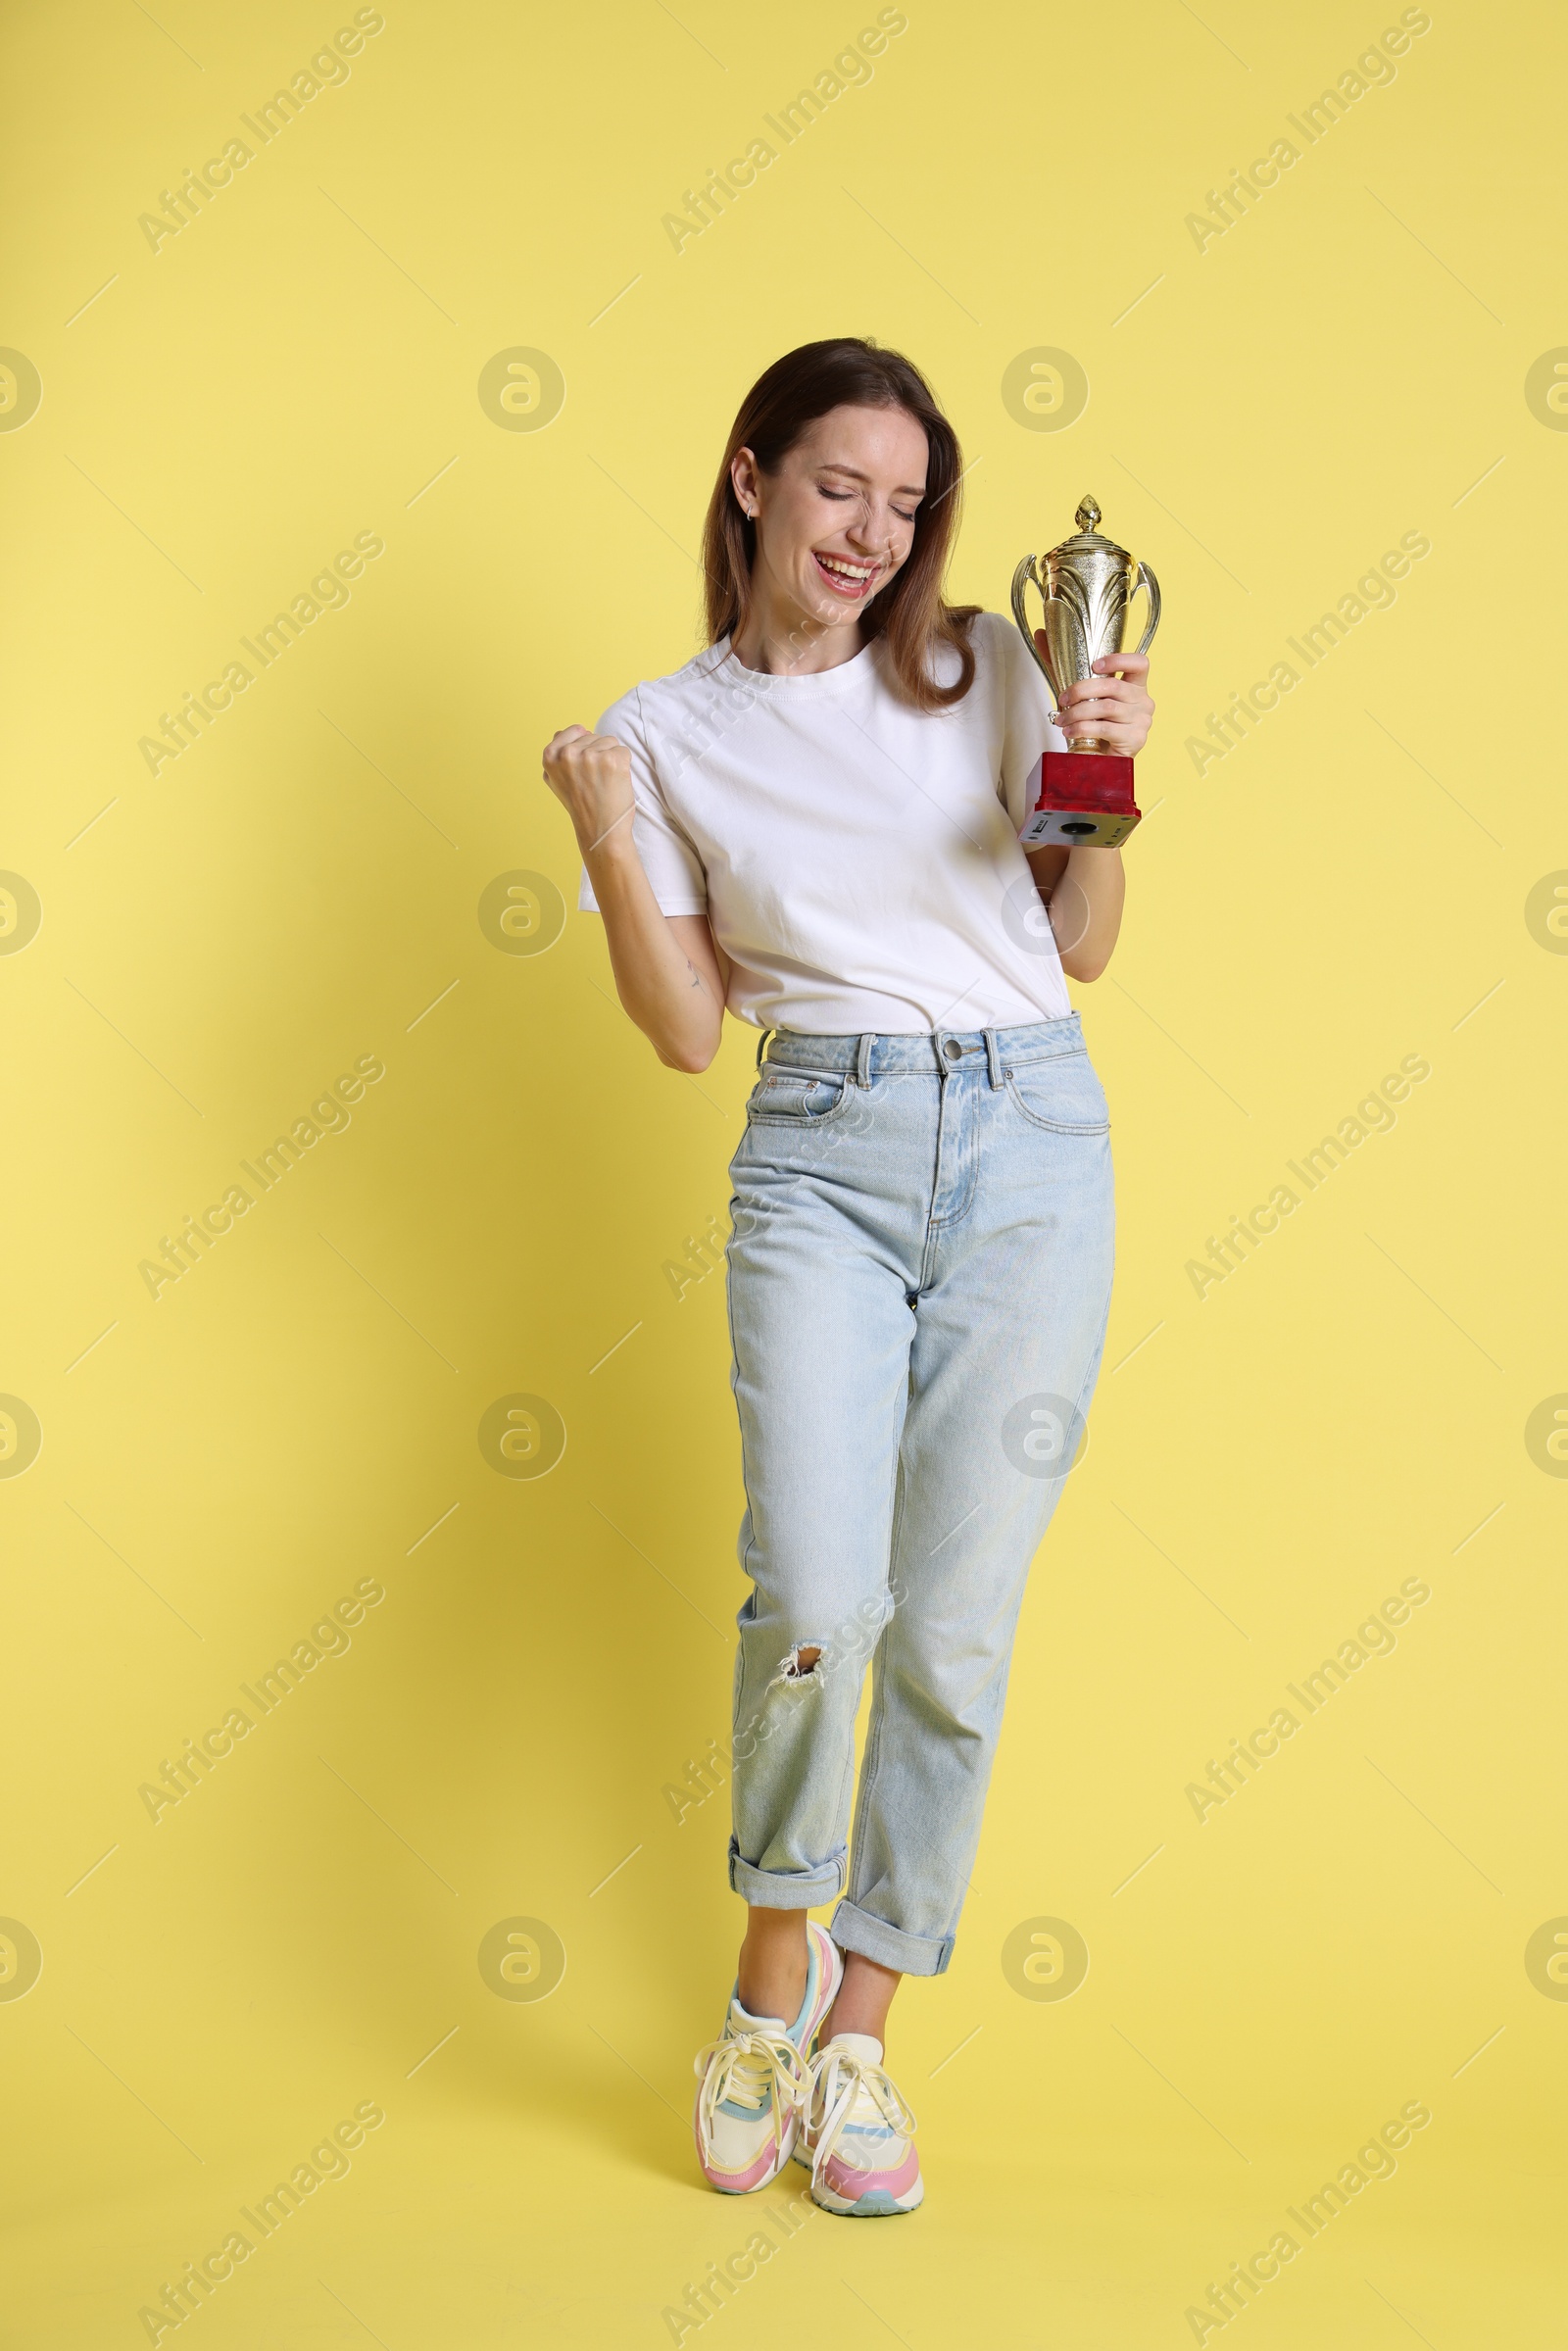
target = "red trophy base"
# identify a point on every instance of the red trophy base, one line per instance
(1080, 799)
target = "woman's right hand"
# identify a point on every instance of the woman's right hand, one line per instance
(667, 967)
(591, 777)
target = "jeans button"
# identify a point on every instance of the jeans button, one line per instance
(954, 1050)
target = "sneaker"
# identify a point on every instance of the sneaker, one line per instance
(857, 2135)
(754, 2079)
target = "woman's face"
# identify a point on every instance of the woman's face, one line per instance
(837, 520)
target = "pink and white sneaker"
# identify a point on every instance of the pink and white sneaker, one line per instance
(754, 2079)
(857, 2137)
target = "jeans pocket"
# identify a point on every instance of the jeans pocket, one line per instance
(797, 1098)
(1063, 1094)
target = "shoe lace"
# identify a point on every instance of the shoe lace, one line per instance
(749, 2068)
(838, 2078)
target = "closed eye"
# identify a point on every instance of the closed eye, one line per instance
(838, 495)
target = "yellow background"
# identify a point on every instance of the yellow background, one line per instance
(217, 1467)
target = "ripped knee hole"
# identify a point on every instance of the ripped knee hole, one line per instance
(799, 1665)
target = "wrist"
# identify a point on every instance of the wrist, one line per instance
(610, 846)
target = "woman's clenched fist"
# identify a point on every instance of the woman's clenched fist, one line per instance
(591, 777)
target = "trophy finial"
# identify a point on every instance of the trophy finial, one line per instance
(1088, 514)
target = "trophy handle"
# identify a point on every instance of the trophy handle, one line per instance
(1021, 613)
(1146, 579)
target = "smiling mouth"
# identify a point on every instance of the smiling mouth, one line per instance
(850, 580)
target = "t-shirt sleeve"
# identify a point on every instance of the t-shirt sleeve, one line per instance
(1027, 704)
(671, 862)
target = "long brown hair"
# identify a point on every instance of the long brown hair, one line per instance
(910, 614)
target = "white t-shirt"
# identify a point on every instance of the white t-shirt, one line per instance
(857, 859)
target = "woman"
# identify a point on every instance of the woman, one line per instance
(815, 825)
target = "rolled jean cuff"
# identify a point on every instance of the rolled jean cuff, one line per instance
(787, 1890)
(856, 1929)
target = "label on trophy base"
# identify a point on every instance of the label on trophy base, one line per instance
(1080, 799)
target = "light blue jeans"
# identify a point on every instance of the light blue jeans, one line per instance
(919, 1280)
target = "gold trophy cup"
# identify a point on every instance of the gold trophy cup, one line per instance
(1083, 794)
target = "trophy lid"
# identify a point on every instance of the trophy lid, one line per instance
(1088, 537)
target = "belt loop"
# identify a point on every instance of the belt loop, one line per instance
(763, 1043)
(862, 1060)
(993, 1059)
